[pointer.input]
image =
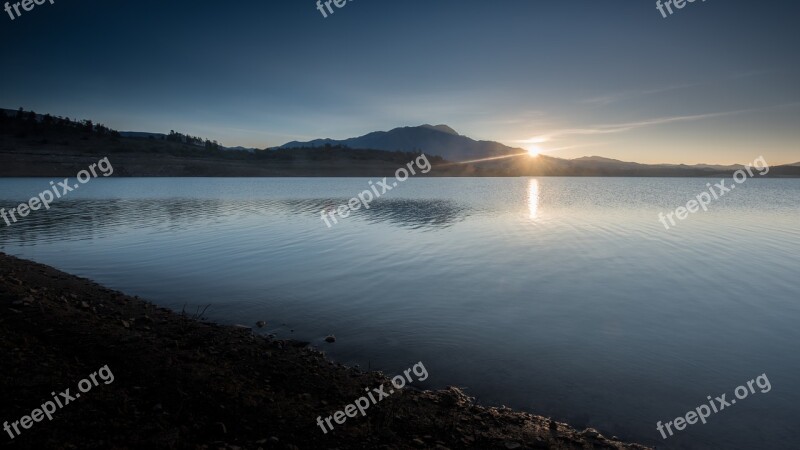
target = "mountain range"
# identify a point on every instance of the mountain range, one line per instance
(40, 145)
(444, 141)
(439, 140)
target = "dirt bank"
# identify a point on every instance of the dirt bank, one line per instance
(180, 383)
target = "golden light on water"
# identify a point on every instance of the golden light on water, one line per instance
(533, 198)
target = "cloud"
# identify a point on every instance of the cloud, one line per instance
(628, 126)
(615, 97)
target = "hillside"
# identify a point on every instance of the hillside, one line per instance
(32, 145)
(438, 140)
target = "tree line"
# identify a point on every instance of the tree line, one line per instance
(26, 123)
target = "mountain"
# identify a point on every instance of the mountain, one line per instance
(439, 140)
(240, 149)
(599, 162)
(35, 145)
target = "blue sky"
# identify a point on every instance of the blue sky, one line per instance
(716, 82)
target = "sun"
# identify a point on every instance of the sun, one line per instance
(534, 150)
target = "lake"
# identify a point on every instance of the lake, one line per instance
(561, 296)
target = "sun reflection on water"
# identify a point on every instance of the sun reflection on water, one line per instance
(533, 198)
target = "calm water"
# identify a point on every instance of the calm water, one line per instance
(561, 296)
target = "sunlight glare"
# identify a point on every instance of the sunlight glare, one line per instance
(533, 198)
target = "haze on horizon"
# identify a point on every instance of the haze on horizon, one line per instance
(716, 82)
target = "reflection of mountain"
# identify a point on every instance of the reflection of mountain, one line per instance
(417, 214)
(90, 219)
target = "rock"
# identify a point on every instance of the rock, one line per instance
(330, 338)
(418, 442)
(261, 324)
(512, 445)
(591, 433)
(125, 324)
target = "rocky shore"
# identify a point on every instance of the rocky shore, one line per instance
(183, 383)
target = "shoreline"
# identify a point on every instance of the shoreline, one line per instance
(184, 383)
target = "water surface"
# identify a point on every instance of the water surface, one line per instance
(562, 296)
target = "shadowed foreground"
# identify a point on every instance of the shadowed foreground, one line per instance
(180, 383)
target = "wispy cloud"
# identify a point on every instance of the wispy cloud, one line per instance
(603, 100)
(629, 126)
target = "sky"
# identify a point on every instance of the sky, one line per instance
(715, 82)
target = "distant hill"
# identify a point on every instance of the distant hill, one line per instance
(440, 140)
(240, 149)
(143, 135)
(48, 146)
(163, 137)
(605, 167)
(601, 163)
